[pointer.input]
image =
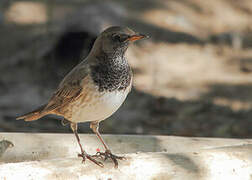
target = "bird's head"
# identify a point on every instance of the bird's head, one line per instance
(115, 39)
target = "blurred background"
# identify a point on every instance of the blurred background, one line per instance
(193, 77)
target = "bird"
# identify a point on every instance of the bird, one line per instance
(94, 89)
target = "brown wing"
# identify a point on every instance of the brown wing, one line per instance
(62, 97)
(69, 89)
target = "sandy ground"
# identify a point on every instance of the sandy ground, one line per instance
(193, 77)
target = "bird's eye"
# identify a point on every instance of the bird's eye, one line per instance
(116, 37)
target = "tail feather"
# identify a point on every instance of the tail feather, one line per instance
(34, 115)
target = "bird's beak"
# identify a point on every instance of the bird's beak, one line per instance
(137, 37)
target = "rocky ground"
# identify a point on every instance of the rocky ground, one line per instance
(193, 77)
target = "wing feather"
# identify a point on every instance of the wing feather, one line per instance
(69, 89)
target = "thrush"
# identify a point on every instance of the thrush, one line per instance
(95, 88)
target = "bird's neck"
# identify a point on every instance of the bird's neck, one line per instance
(111, 72)
(116, 59)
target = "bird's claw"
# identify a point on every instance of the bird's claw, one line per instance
(84, 156)
(108, 155)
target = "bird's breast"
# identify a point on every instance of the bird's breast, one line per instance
(111, 74)
(97, 106)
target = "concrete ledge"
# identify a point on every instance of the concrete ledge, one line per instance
(54, 156)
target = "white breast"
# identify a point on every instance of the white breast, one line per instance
(99, 106)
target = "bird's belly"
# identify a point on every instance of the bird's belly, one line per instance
(98, 106)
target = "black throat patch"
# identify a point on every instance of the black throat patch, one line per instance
(111, 72)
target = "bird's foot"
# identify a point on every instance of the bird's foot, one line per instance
(108, 155)
(85, 156)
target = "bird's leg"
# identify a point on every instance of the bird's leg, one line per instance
(83, 154)
(107, 154)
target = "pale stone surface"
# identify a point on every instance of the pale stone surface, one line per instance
(54, 156)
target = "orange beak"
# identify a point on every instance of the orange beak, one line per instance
(137, 37)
